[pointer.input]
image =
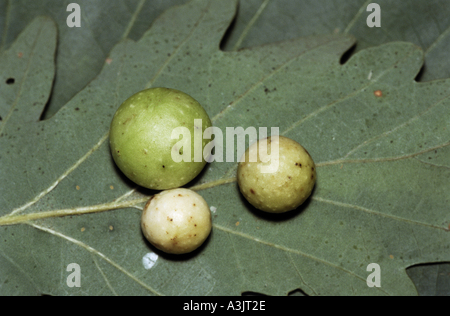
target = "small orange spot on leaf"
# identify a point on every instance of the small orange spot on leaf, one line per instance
(378, 93)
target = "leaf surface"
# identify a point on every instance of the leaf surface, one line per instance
(81, 50)
(382, 193)
(423, 23)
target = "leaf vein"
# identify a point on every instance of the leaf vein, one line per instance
(404, 124)
(133, 19)
(108, 284)
(373, 212)
(290, 250)
(261, 81)
(335, 102)
(357, 16)
(65, 174)
(384, 159)
(178, 48)
(97, 253)
(250, 24)
(300, 275)
(439, 39)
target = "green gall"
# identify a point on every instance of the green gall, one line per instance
(142, 138)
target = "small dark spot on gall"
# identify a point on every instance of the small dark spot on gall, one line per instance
(179, 194)
(252, 191)
(298, 164)
(194, 205)
(10, 81)
(164, 166)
